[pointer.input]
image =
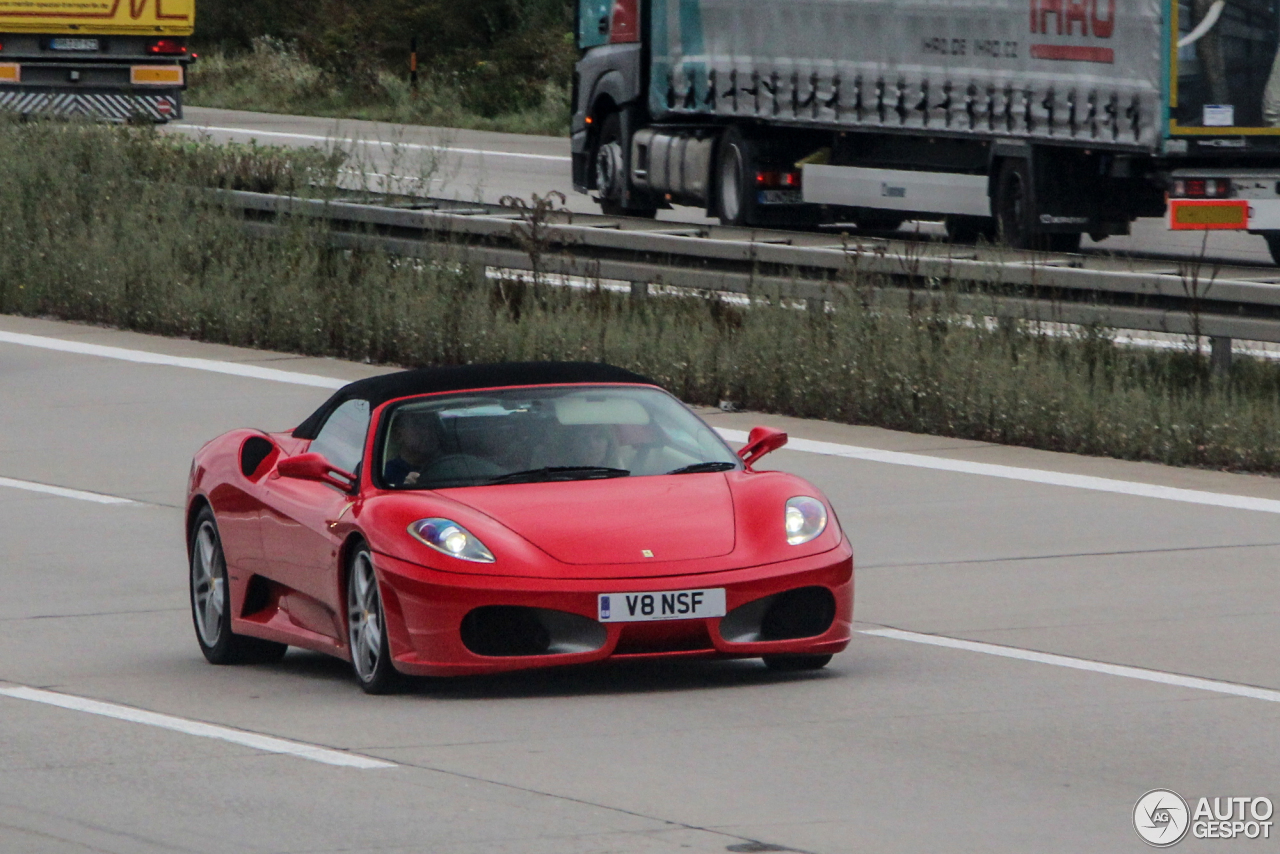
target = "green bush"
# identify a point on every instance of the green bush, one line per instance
(494, 64)
(84, 239)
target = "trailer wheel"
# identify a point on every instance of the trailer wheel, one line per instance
(735, 179)
(611, 174)
(1015, 215)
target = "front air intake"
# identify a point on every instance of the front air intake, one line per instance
(805, 612)
(505, 631)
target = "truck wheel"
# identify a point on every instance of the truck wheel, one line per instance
(611, 174)
(1273, 243)
(1015, 221)
(735, 179)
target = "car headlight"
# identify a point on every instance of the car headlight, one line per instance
(448, 537)
(806, 518)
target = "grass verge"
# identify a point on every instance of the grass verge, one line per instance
(85, 239)
(275, 77)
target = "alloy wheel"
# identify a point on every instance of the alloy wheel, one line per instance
(208, 584)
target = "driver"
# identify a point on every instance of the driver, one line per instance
(416, 438)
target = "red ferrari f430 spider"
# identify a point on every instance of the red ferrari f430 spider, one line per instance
(483, 518)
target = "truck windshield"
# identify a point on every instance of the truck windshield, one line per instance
(1227, 74)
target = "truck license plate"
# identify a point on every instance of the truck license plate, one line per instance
(73, 44)
(780, 197)
(664, 605)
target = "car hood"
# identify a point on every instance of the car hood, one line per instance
(624, 520)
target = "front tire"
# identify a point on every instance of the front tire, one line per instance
(611, 174)
(796, 663)
(367, 627)
(211, 602)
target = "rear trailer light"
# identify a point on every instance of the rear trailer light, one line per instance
(778, 179)
(167, 47)
(1200, 188)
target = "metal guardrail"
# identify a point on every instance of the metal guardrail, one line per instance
(1185, 298)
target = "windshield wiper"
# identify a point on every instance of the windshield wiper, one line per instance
(559, 473)
(701, 467)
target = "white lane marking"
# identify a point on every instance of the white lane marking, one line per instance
(853, 452)
(452, 149)
(1159, 676)
(146, 358)
(1050, 478)
(266, 743)
(63, 492)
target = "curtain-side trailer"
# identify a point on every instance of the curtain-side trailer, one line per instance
(1034, 121)
(114, 59)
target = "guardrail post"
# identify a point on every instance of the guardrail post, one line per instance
(1220, 355)
(639, 290)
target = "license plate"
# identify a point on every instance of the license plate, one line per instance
(73, 44)
(780, 197)
(665, 605)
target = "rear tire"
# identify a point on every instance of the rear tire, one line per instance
(1015, 221)
(795, 663)
(211, 602)
(735, 179)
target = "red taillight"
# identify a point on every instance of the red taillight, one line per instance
(1201, 188)
(624, 23)
(778, 179)
(167, 47)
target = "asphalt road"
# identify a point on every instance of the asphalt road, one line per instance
(977, 745)
(484, 166)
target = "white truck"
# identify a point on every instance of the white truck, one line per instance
(1034, 121)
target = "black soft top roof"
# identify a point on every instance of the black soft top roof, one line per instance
(378, 390)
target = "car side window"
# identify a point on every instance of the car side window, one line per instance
(341, 439)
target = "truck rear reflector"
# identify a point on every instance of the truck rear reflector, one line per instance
(624, 24)
(156, 75)
(1196, 215)
(10, 72)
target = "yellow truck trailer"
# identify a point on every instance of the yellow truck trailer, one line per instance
(114, 59)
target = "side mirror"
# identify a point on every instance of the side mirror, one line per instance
(316, 467)
(761, 441)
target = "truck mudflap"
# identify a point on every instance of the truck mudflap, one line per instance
(112, 106)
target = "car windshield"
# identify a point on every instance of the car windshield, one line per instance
(543, 434)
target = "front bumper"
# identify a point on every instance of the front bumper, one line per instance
(425, 611)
